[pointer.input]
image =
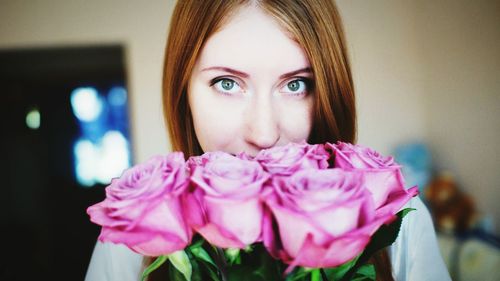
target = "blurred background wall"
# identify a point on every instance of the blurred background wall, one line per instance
(140, 26)
(425, 71)
(430, 71)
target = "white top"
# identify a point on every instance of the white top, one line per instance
(414, 255)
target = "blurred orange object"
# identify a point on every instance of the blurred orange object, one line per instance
(453, 211)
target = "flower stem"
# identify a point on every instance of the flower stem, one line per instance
(323, 274)
(221, 262)
(315, 275)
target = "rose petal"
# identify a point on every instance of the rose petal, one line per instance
(334, 253)
(382, 182)
(293, 228)
(339, 219)
(144, 242)
(241, 218)
(288, 159)
(219, 237)
(160, 245)
(397, 200)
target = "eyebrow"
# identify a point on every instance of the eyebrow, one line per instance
(245, 75)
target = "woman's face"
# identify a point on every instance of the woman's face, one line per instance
(251, 87)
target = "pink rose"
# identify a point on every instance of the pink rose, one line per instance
(202, 160)
(223, 204)
(383, 175)
(359, 157)
(324, 217)
(288, 159)
(205, 158)
(142, 208)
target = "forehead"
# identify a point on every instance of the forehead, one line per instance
(252, 40)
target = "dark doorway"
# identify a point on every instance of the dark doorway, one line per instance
(46, 232)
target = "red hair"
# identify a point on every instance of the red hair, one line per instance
(315, 25)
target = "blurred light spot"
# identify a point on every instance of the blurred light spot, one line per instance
(33, 119)
(86, 159)
(114, 156)
(86, 103)
(117, 96)
(99, 163)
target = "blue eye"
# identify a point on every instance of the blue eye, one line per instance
(227, 86)
(295, 87)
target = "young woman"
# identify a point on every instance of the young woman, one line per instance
(250, 75)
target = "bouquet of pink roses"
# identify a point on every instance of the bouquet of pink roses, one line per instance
(295, 212)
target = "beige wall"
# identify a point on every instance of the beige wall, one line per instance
(430, 70)
(424, 70)
(387, 71)
(460, 51)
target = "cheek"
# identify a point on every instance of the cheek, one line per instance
(216, 121)
(296, 119)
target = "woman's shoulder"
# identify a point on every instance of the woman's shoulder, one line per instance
(415, 255)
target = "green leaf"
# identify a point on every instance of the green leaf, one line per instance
(256, 265)
(336, 273)
(361, 278)
(180, 261)
(299, 273)
(387, 234)
(404, 212)
(197, 275)
(213, 274)
(153, 266)
(175, 275)
(200, 253)
(248, 248)
(365, 272)
(232, 255)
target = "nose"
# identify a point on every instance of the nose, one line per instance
(262, 127)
